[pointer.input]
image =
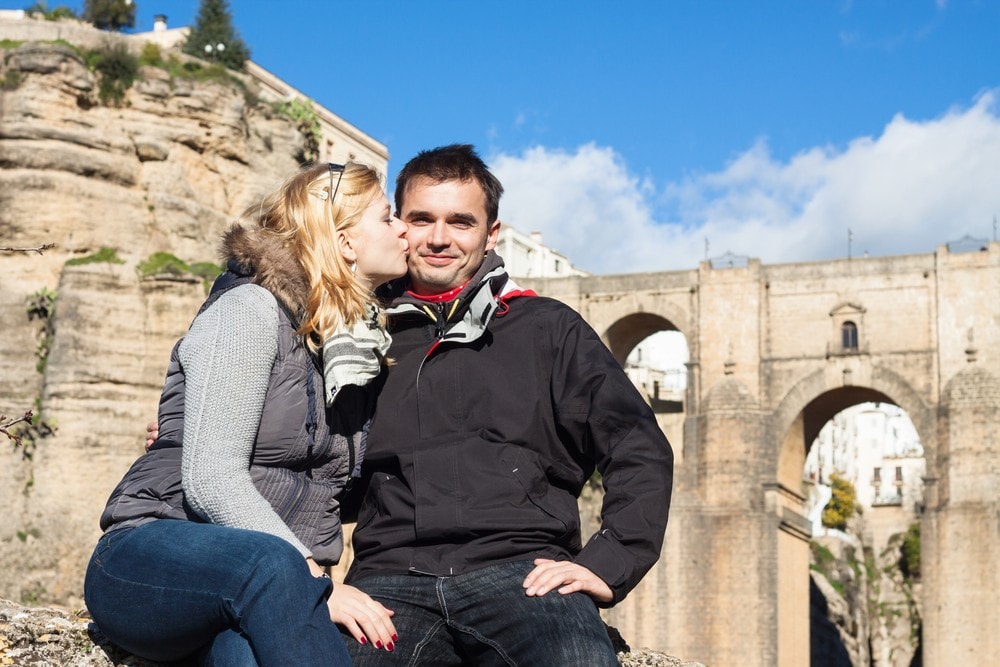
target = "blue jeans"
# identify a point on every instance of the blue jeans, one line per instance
(484, 618)
(169, 589)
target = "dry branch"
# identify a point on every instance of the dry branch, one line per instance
(7, 422)
(40, 249)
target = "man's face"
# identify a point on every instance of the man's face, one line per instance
(447, 232)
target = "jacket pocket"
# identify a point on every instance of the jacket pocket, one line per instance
(388, 508)
(469, 487)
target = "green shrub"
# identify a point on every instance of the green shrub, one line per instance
(160, 263)
(117, 69)
(55, 14)
(909, 553)
(10, 43)
(103, 256)
(306, 119)
(109, 14)
(842, 505)
(163, 262)
(150, 55)
(12, 78)
(41, 305)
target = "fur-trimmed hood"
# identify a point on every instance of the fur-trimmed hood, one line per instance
(260, 253)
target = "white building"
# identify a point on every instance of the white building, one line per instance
(657, 367)
(526, 257)
(875, 447)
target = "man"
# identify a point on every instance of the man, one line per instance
(498, 408)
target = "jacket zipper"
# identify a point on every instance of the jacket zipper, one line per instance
(439, 325)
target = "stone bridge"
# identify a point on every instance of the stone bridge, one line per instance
(775, 352)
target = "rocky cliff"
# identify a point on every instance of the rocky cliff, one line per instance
(111, 186)
(864, 609)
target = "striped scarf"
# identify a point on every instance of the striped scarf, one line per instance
(354, 355)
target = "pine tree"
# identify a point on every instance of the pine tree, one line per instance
(214, 26)
(110, 14)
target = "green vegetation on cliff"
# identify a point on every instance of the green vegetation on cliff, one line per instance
(166, 264)
(103, 256)
(843, 503)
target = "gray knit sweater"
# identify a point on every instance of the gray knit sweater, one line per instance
(227, 357)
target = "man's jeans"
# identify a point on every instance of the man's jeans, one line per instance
(484, 618)
(170, 588)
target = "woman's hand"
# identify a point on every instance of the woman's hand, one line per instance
(367, 620)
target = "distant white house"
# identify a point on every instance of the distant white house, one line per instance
(875, 447)
(527, 257)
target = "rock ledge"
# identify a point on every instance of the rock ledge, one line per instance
(47, 636)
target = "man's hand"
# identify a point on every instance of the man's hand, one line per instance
(568, 577)
(152, 432)
(366, 619)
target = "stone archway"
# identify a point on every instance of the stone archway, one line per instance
(631, 330)
(817, 403)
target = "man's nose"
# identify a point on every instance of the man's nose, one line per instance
(439, 234)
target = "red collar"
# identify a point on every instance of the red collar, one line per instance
(438, 298)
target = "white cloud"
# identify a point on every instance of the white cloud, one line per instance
(917, 185)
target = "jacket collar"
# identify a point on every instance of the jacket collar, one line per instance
(263, 256)
(465, 318)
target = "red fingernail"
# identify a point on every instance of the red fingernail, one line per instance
(389, 647)
(364, 640)
(378, 644)
(395, 637)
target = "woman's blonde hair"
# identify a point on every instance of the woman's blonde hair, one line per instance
(308, 212)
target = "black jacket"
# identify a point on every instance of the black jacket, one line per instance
(492, 419)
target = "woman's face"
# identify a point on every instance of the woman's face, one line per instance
(379, 244)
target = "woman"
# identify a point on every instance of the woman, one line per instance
(217, 548)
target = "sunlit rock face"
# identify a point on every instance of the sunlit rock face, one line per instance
(165, 172)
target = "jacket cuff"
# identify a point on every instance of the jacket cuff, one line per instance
(609, 560)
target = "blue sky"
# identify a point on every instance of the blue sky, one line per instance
(631, 133)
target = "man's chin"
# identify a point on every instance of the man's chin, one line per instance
(433, 284)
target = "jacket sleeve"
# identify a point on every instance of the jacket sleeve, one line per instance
(602, 418)
(227, 357)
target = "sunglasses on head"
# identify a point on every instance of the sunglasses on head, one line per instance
(339, 170)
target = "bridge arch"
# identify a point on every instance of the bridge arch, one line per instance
(813, 401)
(628, 329)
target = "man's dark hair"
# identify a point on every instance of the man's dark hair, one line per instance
(456, 162)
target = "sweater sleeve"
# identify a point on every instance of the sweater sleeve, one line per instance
(227, 356)
(607, 421)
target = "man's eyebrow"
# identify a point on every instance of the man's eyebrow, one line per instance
(467, 218)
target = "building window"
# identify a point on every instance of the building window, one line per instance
(849, 336)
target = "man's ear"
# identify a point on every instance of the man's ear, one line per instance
(347, 250)
(493, 235)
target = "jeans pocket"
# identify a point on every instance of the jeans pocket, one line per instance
(108, 542)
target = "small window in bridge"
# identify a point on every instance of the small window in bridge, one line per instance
(849, 336)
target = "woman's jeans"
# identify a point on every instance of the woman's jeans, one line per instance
(484, 618)
(170, 588)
